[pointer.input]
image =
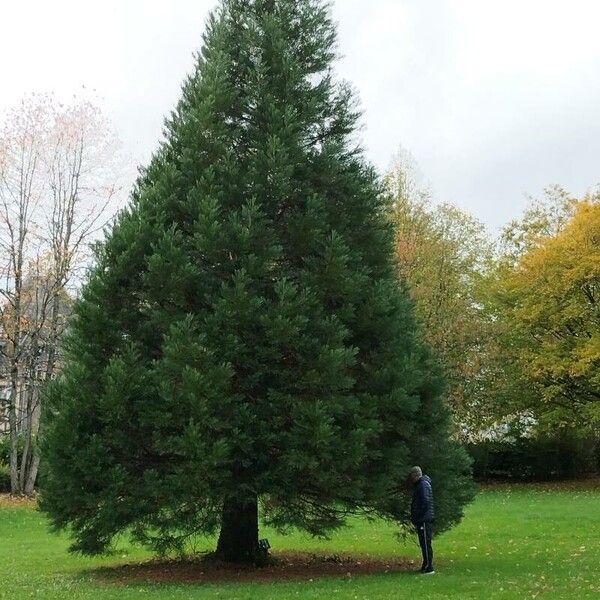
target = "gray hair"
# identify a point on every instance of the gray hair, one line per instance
(416, 472)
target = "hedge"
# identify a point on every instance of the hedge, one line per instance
(566, 456)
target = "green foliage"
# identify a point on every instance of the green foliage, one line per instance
(4, 448)
(243, 333)
(5, 460)
(4, 477)
(567, 455)
(4, 463)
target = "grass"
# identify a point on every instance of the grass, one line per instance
(515, 542)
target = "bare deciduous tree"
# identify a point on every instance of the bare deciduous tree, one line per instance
(58, 187)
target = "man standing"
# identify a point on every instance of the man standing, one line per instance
(421, 514)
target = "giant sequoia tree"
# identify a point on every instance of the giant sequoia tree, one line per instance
(242, 341)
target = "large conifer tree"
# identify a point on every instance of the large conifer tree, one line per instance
(242, 340)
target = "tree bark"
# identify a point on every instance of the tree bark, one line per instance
(28, 486)
(25, 433)
(238, 540)
(13, 420)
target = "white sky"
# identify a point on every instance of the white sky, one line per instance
(494, 98)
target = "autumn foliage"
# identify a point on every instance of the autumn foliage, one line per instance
(554, 303)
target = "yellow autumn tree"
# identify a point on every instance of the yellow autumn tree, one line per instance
(554, 298)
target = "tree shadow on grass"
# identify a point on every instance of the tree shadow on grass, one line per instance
(284, 566)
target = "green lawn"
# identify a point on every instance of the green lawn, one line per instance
(515, 542)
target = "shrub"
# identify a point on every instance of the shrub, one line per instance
(4, 478)
(563, 456)
(4, 448)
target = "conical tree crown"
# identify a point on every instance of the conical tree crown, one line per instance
(243, 334)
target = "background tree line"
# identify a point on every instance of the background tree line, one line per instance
(514, 318)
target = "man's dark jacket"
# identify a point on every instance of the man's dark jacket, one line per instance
(421, 508)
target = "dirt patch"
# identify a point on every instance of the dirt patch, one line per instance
(8, 501)
(286, 566)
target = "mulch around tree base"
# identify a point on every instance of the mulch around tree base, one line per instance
(286, 566)
(8, 501)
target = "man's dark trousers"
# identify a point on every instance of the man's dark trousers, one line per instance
(425, 531)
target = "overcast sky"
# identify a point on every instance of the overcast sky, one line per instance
(494, 98)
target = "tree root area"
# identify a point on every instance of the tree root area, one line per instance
(282, 566)
(8, 501)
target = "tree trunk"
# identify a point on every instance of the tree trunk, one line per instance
(26, 434)
(14, 434)
(28, 486)
(238, 540)
(14, 449)
(32, 474)
(15, 334)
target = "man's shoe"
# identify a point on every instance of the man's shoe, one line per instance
(428, 571)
